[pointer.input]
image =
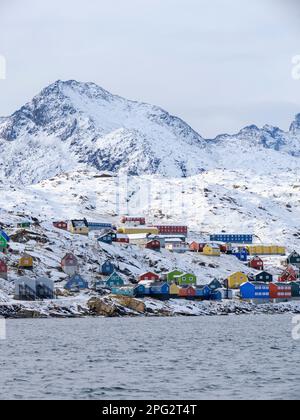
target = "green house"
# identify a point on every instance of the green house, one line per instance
(114, 280)
(24, 225)
(186, 279)
(172, 274)
(3, 243)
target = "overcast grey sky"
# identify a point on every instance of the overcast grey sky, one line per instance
(218, 64)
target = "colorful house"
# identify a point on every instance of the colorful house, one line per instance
(185, 279)
(212, 250)
(203, 292)
(295, 286)
(262, 277)
(79, 227)
(4, 235)
(280, 291)
(24, 225)
(107, 238)
(289, 275)
(76, 283)
(217, 295)
(3, 243)
(232, 238)
(26, 262)
(61, 225)
(187, 292)
(140, 290)
(172, 230)
(69, 264)
(114, 280)
(154, 245)
(172, 274)
(177, 246)
(122, 239)
(241, 254)
(255, 290)
(99, 226)
(128, 291)
(215, 285)
(235, 280)
(294, 259)
(174, 290)
(127, 230)
(135, 220)
(160, 290)
(256, 263)
(149, 276)
(107, 268)
(3, 270)
(196, 247)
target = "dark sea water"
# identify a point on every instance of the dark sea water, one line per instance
(232, 357)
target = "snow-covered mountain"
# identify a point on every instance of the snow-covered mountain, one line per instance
(72, 125)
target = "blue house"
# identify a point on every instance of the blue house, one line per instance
(215, 284)
(254, 291)
(107, 268)
(160, 289)
(99, 226)
(216, 295)
(4, 235)
(114, 280)
(141, 291)
(235, 239)
(128, 291)
(241, 254)
(203, 292)
(107, 238)
(76, 282)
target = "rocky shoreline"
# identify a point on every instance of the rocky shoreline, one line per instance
(117, 306)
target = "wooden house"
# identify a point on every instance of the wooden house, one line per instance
(185, 279)
(212, 250)
(149, 276)
(215, 285)
(187, 292)
(128, 291)
(262, 277)
(172, 230)
(99, 226)
(24, 225)
(69, 264)
(177, 246)
(3, 270)
(122, 239)
(114, 280)
(289, 275)
(293, 259)
(196, 247)
(160, 290)
(107, 238)
(76, 283)
(127, 230)
(170, 276)
(216, 295)
(4, 235)
(134, 220)
(3, 244)
(203, 292)
(154, 245)
(26, 262)
(232, 238)
(61, 225)
(174, 290)
(280, 291)
(107, 268)
(140, 290)
(295, 287)
(256, 263)
(235, 280)
(241, 254)
(79, 227)
(255, 290)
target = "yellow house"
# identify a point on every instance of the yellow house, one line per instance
(79, 227)
(212, 250)
(236, 280)
(138, 230)
(174, 289)
(26, 261)
(281, 250)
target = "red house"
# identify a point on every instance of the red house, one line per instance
(289, 275)
(3, 270)
(149, 277)
(280, 291)
(187, 292)
(257, 263)
(153, 245)
(69, 264)
(61, 225)
(121, 239)
(137, 220)
(196, 247)
(172, 230)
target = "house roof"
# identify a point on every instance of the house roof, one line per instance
(79, 223)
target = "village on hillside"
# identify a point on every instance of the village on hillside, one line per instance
(253, 284)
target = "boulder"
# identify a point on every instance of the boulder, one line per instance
(102, 307)
(131, 303)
